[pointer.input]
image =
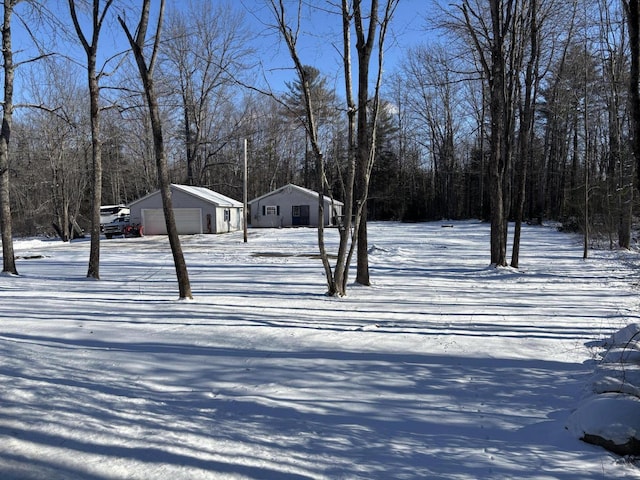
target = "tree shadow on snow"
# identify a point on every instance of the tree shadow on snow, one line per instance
(290, 414)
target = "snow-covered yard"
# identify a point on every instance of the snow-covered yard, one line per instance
(443, 369)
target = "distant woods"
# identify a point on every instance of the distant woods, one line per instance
(507, 110)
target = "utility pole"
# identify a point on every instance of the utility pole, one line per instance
(244, 193)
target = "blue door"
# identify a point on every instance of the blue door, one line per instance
(300, 215)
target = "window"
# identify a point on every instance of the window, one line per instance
(227, 215)
(270, 210)
(295, 211)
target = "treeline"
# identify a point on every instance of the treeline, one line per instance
(566, 89)
(570, 61)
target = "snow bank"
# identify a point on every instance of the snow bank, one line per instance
(609, 415)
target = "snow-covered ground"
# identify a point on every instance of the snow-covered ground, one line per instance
(443, 369)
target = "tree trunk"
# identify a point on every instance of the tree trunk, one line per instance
(9, 262)
(498, 140)
(626, 214)
(188, 140)
(362, 272)
(361, 135)
(633, 19)
(526, 130)
(96, 184)
(494, 70)
(363, 139)
(365, 135)
(146, 74)
(91, 49)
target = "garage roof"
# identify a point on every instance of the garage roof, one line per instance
(208, 195)
(201, 193)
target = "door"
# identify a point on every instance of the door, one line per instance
(188, 221)
(300, 215)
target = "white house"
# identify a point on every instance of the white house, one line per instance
(196, 210)
(293, 206)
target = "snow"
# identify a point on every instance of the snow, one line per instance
(611, 407)
(444, 368)
(613, 416)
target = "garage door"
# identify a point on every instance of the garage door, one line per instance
(188, 221)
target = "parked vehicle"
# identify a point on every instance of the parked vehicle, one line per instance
(116, 227)
(122, 226)
(110, 213)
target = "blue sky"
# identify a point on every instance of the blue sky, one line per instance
(320, 37)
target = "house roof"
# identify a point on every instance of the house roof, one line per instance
(302, 190)
(201, 193)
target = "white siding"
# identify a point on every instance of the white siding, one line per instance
(283, 202)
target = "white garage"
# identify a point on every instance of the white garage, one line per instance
(196, 210)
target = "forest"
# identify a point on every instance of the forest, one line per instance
(565, 126)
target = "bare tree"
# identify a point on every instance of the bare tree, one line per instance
(526, 98)
(206, 49)
(146, 70)
(496, 37)
(326, 114)
(9, 68)
(272, 145)
(90, 47)
(362, 116)
(8, 257)
(130, 124)
(618, 184)
(434, 98)
(371, 29)
(290, 35)
(58, 137)
(632, 8)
